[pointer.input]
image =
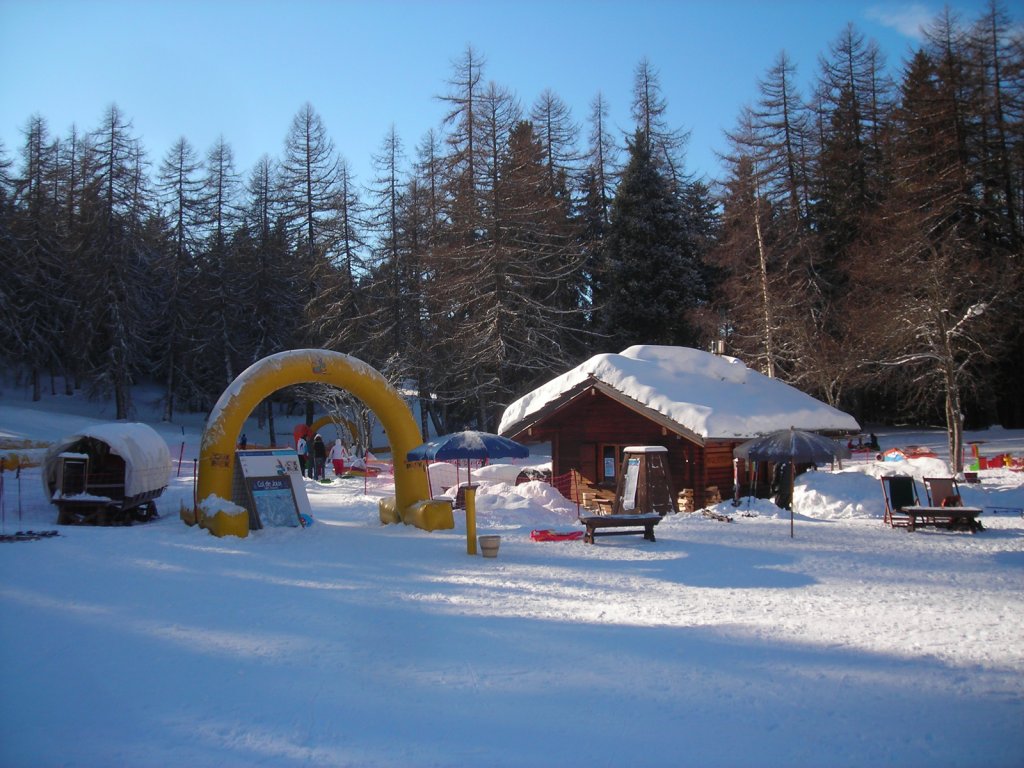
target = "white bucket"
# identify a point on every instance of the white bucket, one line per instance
(489, 545)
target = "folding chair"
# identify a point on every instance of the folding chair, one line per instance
(899, 491)
(943, 492)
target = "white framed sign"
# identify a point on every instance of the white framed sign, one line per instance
(280, 484)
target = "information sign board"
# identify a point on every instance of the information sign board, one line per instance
(632, 475)
(274, 487)
(274, 501)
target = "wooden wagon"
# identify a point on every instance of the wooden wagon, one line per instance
(108, 474)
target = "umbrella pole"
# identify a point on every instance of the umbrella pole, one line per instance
(753, 486)
(792, 487)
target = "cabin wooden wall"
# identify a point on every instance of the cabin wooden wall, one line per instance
(718, 465)
(579, 428)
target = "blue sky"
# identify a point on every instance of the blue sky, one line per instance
(243, 68)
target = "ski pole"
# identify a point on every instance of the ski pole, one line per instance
(18, 475)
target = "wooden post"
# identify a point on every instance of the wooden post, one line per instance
(792, 487)
(470, 499)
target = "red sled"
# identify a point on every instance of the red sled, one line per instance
(546, 535)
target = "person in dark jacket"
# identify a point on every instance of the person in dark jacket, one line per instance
(319, 457)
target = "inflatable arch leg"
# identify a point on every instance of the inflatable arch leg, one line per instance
(411, 503)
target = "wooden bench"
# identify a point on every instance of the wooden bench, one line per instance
(596, 525)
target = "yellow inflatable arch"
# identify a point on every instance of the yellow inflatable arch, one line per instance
(411, 503)
(324, 421)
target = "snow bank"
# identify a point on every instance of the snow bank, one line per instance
(214, 504)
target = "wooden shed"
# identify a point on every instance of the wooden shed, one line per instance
(696, 405)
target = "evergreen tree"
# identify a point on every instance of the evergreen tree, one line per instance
(341, 308)
(7, 253)
(180, 188)
(854, 98)
(602, 160)
(390, 323)
(309, 191)
(995, 58)
(649, 115)
(33, 258)
(597, 190)
(935, 278)
(651, 278)
(464, 167)
(268, 275)
(780, 142)
(558, 135)
(223, 318)
(77, 179)
(424, 226)
(754, 297)
(117, 261)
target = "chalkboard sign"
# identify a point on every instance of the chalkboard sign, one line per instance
(273, 499)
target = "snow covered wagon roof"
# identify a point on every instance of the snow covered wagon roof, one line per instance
(711, 396)
(146, 456)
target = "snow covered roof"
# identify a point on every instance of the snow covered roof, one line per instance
(711, 396)
(146, 456)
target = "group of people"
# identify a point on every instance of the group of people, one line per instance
(871, 445)
(313, 459)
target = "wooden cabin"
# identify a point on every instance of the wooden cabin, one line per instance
(697, 405)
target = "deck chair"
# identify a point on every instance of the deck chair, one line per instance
(942, 492)
(899, 491)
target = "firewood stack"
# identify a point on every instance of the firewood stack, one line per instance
(712, 496)
(685, 500)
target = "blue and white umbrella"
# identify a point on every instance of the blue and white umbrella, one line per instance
(470, 444)
(467, 446)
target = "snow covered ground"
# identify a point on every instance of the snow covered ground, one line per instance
(354, 644)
